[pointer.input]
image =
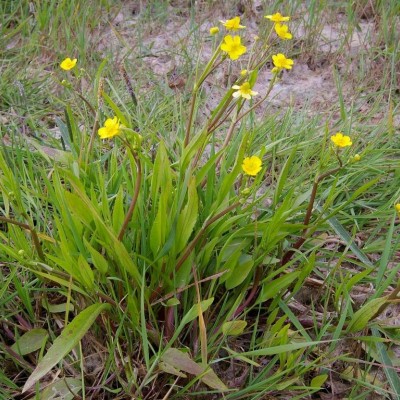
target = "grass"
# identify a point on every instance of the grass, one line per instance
(149, 265)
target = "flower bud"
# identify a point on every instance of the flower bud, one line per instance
(214, 30)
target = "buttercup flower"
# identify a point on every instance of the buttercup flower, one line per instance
(214, 30)
(397, 207)
(277, 17)
(283, 31)
(281, 62)
(68, 64)
(111, 128)
(341, 140)
(232, 24)
(233, 46)
(244, 91)
(252, 165)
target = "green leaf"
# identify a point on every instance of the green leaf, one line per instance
(194, 311)
(187, 218)
(233, 328)
(118, 213)
(285, 348)
(271, 289)
(69, 338)
(57, 308)
(344, 235)
(240, 271)
(159, 229)
(182, 362)
(30, 341)
(318, 381)
(361, 318)
(98, 260)
(173, 302)
(283, 177)
(387, 365)
(86, 273)
(63, 389)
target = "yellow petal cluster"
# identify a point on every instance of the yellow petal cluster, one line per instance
(232, 24)
(68, 64)
(397, 207)
(233, 47)
(281, 62)
(341, 140)
(277, 17)
(111, 128)
(252, 165)
(244, 91)
(283, 31)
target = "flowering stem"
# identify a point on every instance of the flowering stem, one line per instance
(35, 237)
(96, 120)
(201, 232)
(92, 136)
(289, 254)
(253, 292)
(207, 71)
(169, 313)
(128, 215)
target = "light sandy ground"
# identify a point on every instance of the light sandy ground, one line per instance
(309, 85)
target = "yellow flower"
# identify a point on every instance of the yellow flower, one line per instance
(252, 165)
(397, 207)
(68, 64)
(244, 91)
(111, 128)
(244, 72)
(214, 30)
(280, 62)
(277, 17)
(283, 31)
(232, 24)
(233, 46)
(341, 140)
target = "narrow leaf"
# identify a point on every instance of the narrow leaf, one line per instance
(69, 338)
(63, 389)
(361, 318)
(233, 328)
(181, 361)
(30, 341)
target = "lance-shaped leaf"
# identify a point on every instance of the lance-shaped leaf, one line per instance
(69, 338)
(181, 361)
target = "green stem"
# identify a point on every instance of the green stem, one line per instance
(129, 214)
(35, 237)
(201, 232)
(289, 254)
(207, 71)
